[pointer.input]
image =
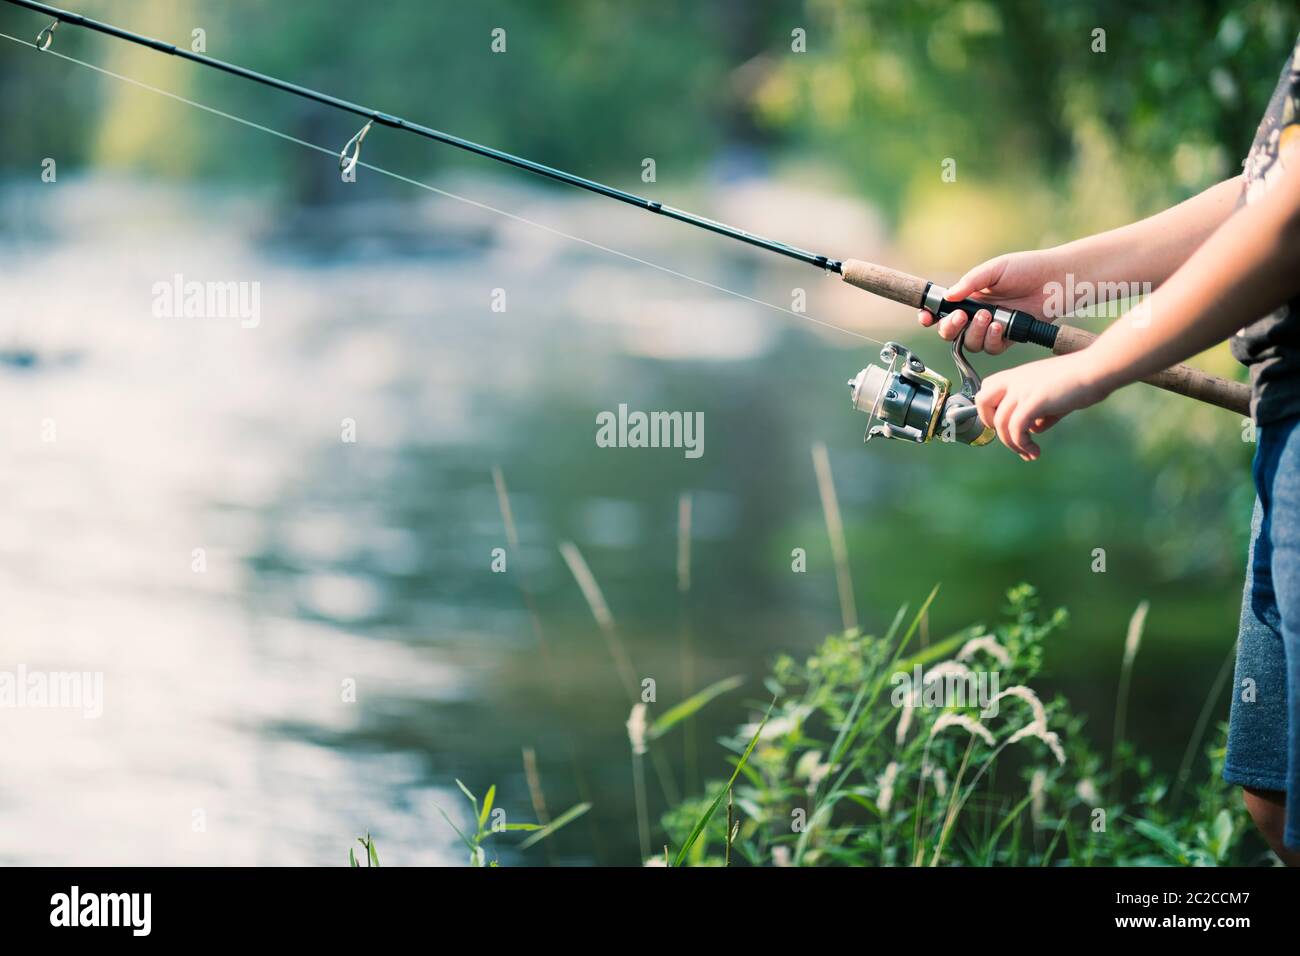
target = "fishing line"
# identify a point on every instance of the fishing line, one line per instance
(438, 191)
(903, 400)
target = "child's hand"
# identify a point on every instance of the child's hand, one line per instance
(1034, 397)
(1017, 280)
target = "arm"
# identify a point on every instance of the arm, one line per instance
(1247, 268)
(1145, 251)
(1151, 249)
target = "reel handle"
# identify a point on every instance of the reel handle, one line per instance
(1023, 327)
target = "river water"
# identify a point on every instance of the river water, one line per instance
(272, 533)
(187, 514)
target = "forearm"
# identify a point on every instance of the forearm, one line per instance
(1246, 269)
(1152, 249)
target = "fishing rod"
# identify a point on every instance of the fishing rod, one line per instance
(903, 400)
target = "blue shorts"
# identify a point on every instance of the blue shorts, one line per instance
(1264, 728)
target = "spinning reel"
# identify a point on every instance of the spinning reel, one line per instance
(907, 401)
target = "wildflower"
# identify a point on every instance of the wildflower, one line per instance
(989, 645)
(1135, 626)
(939, 776)
(1086, 791)
(1028, 696)
(1037, 797)
(636, 728)
(974, 727)
(1053, 742)
(817, 774)
(945, 669)
(774, 728)
(812, 768)
(780, 856)
(656, 861)
(905, 719)
(886, 783)
(1038, 729)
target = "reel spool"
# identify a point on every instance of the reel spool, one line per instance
(906, 400)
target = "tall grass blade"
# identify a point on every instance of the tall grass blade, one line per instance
(687, 708)
(1132, 641)
(600, 611)
(703, 821)
(472, 799)
(684, 543)
(878, 685)
(463, 839)
(642, 813)
(534, 779)
(1202, 722)
(512, 540)
(568, 816)
(835, 531)
(690, 750)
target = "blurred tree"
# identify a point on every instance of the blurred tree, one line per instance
(884, 88)
(1178, 89)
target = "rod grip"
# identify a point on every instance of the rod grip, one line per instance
(1180, 379)
(882, 281)
(1061, 339)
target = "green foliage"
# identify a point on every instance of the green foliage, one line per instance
(689, 707)
(707, 816)
(1012, 84)
(1020, 84)
(832, 779)
(371, 854)
(484, 827)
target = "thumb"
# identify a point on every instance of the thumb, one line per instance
(983, 276)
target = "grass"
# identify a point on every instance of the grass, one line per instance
(488, 824)
(848, 765)
(842, 773)
(842, 770)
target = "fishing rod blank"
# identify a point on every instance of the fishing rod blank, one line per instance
(1018, 326)
(397, 122)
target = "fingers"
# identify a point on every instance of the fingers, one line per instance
(983, 276)
(1002, 422)
(989, 397)
(1011, 423)
(995, 342)
(1018, 427)
(984, 334)
(1012, 418)
(979, 328)
(950, 325)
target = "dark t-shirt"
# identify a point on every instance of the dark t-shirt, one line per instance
(1270, 346)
